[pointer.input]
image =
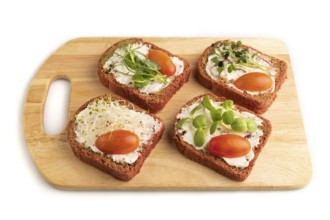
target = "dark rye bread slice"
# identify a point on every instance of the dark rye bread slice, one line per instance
(257, 103)
(121, 171)
(216, 163)
(152, 102)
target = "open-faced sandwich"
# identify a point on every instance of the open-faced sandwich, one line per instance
(220, 135)
(114, 135)
(143, 73)
(241, 73)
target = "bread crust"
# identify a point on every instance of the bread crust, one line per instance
(216, 163)
(152, 102)
(257, 103)
(121, 171)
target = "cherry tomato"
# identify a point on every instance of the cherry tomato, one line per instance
(229, 145)
(117, 142)
(254, 82)
(167, 67)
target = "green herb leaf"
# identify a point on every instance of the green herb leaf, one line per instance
(152, 64)
(220, 69)
(199, 121)
(140, 80)
(141, 84)
(129, 63)
(213, 51)
(238, 53)
(198, 107)
(233, 45)
(228, 117)
(225, 54)
(243, 59)
(215, 60)
(239, 125)
(199, 137)
(138, 60)
(251, 125)
(181, 122)
(231, 68)
(227, 104)
(213, 127)
(239, 43)
(132, 55)
(215, 114)
(207, 103)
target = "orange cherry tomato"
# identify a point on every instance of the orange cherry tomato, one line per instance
(254, 82)
(229, 145)
(117, 142)
(167, 67)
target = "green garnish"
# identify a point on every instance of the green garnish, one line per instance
(199, 137)
(231, 56)
(227, 104)
(251, 125)
(223, 117)
(215, 114)
(228, 117)
(198, 107)
(220, 69)
(181, 122)
(231, 68)
(199, 121)
(239, 124)
(215, 60)
(207, 103)
(213, 127)
(152, 64)
(144, 70)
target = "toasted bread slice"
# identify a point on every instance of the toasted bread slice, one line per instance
(221, 85)
(107, 113)
(153, 100)
(236, 169)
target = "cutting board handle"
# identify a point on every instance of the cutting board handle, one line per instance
(35, 104)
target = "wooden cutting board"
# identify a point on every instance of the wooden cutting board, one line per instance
(283, 164)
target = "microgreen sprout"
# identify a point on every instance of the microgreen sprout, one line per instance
(144, 70)
(222, 117)
(232, 55)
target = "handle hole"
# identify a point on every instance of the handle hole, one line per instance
(56, 107)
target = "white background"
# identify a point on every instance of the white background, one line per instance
(31, 31)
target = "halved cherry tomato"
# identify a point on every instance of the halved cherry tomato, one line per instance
(167, 67)
(117, 142)
(229, 145)
(254, 82)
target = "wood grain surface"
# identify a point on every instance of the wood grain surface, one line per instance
(283, 164)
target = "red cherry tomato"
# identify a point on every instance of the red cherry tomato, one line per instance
(117, 142)
(254, 82)
(229, 145)
(167, 67)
